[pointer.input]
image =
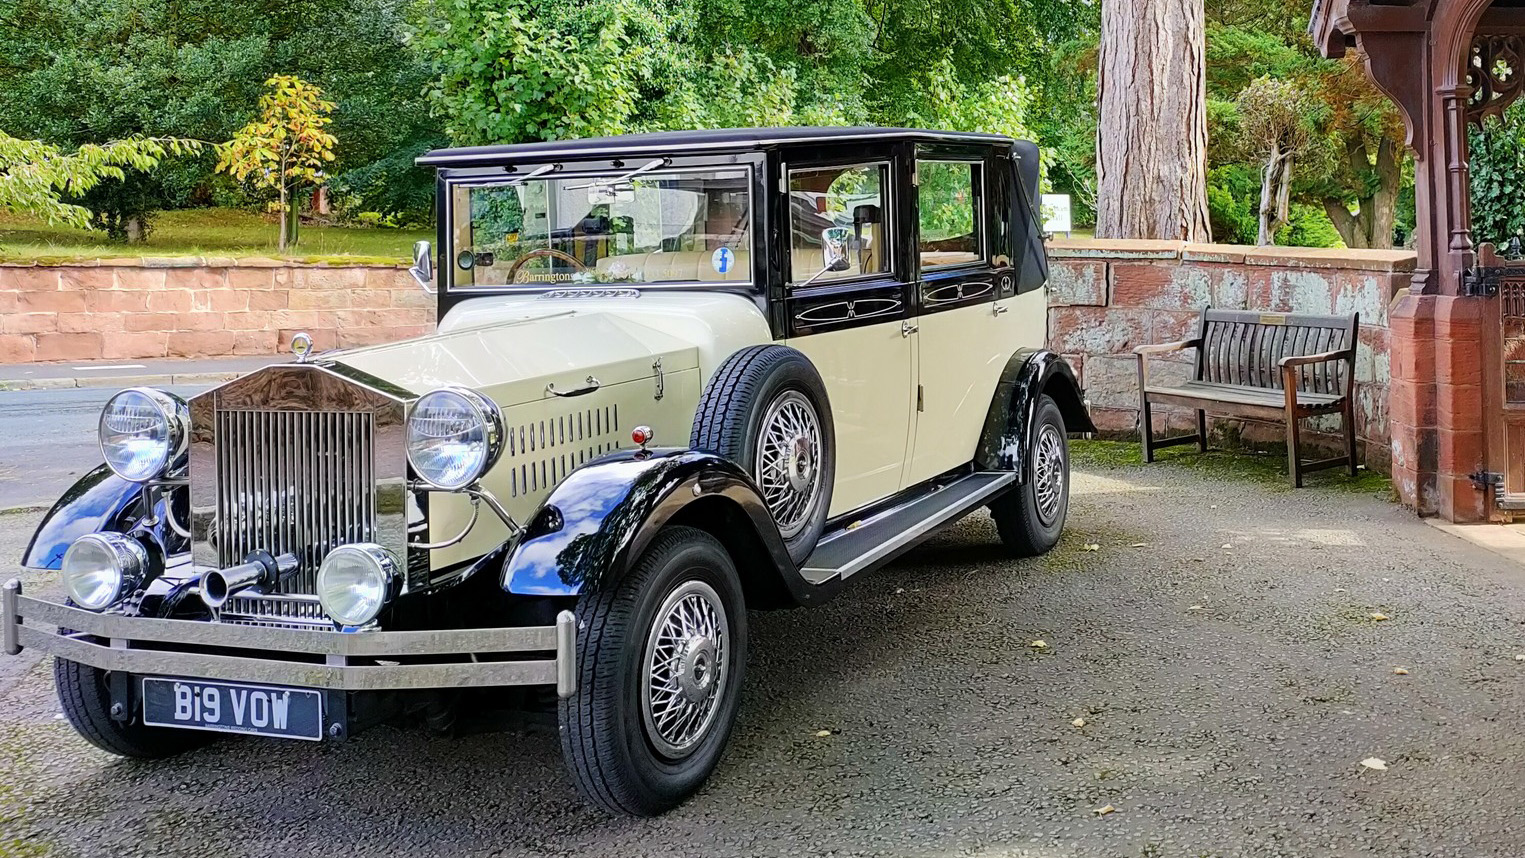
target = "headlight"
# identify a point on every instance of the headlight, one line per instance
(355, 582)
(454, 436)
(101, 569)
(143, 433)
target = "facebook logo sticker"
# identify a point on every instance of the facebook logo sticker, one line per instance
(723, 260)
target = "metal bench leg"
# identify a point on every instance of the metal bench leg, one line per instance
(1202, 430)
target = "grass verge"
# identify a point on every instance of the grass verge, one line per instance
(205, 232)
(1268, 469)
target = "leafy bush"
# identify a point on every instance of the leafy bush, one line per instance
(1497, 163)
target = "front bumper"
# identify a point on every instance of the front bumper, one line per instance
(330, 660)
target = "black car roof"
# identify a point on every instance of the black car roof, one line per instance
(676, 142)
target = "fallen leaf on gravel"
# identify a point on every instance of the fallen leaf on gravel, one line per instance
(1401, 671)
(823, 734)
(1375, 764)
(1078, 722)
(1103, 811)
(1038, 645)
(1090, 546)
(1379, 616)
(1227, 546)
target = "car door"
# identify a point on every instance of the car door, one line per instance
(854, 323)
(966, 319)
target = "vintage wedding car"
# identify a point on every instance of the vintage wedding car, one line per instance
(676, 376)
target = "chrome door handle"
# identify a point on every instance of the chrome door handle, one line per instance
(907, 329)
(996, 309)
(592, 385)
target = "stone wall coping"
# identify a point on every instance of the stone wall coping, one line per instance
(1281, 257)
(204, 262)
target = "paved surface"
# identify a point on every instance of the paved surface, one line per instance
(48, 438)
(129, 373)
(1229, 694)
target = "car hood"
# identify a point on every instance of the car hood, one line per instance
(520, 355)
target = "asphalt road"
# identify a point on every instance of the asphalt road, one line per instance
(48, 439)
(1218, 643)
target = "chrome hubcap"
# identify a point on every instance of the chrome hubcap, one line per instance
(1048, 473)
(788, 466)
(685, 675)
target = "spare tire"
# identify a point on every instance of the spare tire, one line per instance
(766, 410)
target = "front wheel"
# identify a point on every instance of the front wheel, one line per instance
(1031, 517)
(86, 703)
(661, 655)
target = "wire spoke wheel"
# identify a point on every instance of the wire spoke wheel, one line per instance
(686, 669)
(788, 466)
(1049, 473)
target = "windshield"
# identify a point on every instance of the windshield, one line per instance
(675, 226)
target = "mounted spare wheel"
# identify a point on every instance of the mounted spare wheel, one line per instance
(766, 409)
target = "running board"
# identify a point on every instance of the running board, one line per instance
(878, 540)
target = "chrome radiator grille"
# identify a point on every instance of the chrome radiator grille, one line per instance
(301, 482)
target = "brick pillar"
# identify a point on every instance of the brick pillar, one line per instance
(1436, 404)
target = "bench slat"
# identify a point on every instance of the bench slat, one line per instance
(1231, 394)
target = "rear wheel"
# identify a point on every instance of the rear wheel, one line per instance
(661, 654)
(1031, 517)
(86, 703)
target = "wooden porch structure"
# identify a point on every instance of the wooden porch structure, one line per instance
(1445, 63)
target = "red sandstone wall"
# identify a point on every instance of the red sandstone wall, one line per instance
(173, 307)
(1106, 297)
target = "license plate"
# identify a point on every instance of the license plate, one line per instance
(261, 710)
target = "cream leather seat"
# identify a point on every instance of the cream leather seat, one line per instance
(686, 266)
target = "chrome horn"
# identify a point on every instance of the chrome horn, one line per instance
(259, 569)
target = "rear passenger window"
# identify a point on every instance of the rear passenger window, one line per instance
(948, 195)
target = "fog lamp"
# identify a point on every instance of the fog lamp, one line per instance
(101, 569)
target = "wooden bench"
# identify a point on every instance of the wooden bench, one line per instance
(1276, 367)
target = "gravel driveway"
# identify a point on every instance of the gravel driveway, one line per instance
(1218, 644)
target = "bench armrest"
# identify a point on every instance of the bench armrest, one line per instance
(1321, 357)
(1166, 348)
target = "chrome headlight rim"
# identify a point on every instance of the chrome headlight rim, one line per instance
(487, 416)
(174, 415)
(129, 565)
(372, 558)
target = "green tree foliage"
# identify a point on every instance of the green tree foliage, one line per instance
(1497, 163)
(35, 177)
(85, 71)
(286, 147)
(549, 69)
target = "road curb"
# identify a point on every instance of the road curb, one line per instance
(17, 384)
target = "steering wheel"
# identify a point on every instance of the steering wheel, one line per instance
(513, 270)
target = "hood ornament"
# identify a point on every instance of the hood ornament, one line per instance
(301, 346)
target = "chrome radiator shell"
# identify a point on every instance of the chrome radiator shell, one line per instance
(300, 458)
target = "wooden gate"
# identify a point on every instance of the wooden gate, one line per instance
(1502, 282)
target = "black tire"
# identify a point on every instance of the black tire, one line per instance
(1029, 526)
(730, 422)
(86, 703)
(606, 739)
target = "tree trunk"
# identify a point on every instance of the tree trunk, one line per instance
(285, 205)
(1275, 194)
(1151, 141)
(1384, 203)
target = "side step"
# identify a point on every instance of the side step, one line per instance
(884, 537)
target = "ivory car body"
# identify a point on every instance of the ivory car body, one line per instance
(675, 376)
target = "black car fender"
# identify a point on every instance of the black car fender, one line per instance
(1029, 374)
(100, 501)
(597, 522)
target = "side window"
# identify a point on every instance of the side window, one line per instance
(948, 195)
(850, 198)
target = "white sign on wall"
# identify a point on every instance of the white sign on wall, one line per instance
(1056, 214)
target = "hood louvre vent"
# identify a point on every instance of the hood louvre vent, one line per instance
(541, 453)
